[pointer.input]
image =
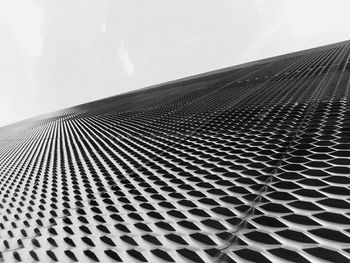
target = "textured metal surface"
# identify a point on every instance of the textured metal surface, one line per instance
(250, 164)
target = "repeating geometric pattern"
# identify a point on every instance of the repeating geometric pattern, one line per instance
(248, 164)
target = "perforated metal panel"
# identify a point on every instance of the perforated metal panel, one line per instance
(249, 164)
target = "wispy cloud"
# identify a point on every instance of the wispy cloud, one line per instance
(124, 58)
(25, 18)
(103, 28)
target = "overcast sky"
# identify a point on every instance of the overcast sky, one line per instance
(56, 54)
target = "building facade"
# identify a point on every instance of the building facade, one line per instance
(245, 164)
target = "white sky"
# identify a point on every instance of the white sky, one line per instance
(59, 53)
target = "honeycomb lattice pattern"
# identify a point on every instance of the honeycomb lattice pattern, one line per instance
(251, 164)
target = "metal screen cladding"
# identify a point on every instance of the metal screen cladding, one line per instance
(247, 164)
